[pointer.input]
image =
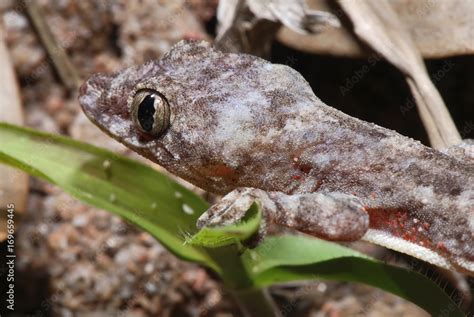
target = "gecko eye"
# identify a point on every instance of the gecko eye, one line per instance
(150, 111)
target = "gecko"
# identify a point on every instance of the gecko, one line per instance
(253, 131)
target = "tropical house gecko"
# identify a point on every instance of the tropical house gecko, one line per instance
(238, 125)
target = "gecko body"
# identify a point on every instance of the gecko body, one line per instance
(236, 124)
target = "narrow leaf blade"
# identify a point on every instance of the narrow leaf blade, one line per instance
(287, 258)
(105, 180)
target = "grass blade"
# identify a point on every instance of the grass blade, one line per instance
(105, 180)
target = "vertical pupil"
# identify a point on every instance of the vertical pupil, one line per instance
(146, 110)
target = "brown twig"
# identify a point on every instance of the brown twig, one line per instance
(65, 70)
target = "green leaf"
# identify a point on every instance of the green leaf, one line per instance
(287, 258)
(103, 179)
(232, 234)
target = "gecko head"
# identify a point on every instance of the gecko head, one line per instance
(131, 107)
(165, 109)
(128, 114)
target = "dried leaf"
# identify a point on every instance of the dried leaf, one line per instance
(294, 14)
(377, 24)
(438, 28)
(249, 25)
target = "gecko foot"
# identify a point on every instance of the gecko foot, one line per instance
(332, 216)
(230, 210)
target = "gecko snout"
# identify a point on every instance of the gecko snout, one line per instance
(91, 90)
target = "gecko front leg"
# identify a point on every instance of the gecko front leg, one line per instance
(332, 216)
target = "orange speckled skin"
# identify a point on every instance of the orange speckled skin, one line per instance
(238, 121)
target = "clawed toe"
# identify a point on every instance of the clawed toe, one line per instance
(229, 210)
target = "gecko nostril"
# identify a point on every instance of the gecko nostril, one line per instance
(91, 90)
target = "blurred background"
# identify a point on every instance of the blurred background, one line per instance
(74, 260)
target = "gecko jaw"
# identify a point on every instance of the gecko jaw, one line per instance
(398, 244)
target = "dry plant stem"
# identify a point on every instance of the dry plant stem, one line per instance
(13, 183)
(376, 23)
(60, 60)
(427, 117)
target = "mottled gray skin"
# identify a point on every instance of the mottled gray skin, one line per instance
(241, 123)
